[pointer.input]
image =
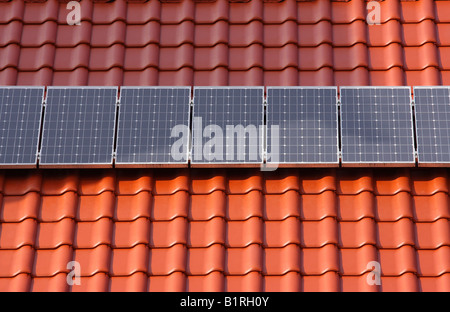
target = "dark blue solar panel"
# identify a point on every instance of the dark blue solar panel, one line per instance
(227, 125)
(20, 120)
(432, 110)
(308, 125)
(153, 125)
(79, 125)
(376, 125)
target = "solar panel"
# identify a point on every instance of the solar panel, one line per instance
(307, 120)
(227, 126)
(20, 120)
(376, 126)
(432, 111)
(79, 125)
(153, 126)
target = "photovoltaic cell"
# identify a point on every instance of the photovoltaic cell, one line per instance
(376, 125)
(20, 120)
(79, 125)
(153, 126)
(227, 125)
(432, 110)
(308, 125)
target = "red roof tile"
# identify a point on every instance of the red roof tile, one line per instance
(224, 43)
(225, 230)
(234, 235)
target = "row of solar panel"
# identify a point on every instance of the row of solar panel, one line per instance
(295, 126)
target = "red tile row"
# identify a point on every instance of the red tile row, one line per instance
(230, 233)
(221, 76)
(216, 281)
(345, 208)
(237, 262)
(222, 43)
(221, 32)
(229, 261)
(175, 12)
(284, 231)
(348, 181)
(229, 59)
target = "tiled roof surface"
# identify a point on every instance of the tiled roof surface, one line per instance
(188, 230)
(225, 42)
(225, 230)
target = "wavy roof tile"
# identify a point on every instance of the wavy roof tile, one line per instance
(225, 230)
(157, 230)
(212, 43)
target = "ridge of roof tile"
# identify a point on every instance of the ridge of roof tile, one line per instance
(19, 208)
(176, 205)
(52, 235)
(50, 262)
(396, 262)
(439, 202)
(18, 283)
(131, 233)
(91, 234)
(434, 284)
(439, 259)
(215, 201)
(135, 283)
(18, 234)
(93, 261)
(354, 260)
(14, 262)
(356, 234)
(394, 235)
(99, 282)
(316, 207)
(283, 233)
(58, 182)
(391, 208)
(207, 233)
(356, 207)
(95, 207)
(132, 207)
(252, 201)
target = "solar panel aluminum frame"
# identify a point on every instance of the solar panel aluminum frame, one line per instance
(82, 165)
(243, 164)
(28, 165)
(419, 162)
(379, 163)
(178, 164)
(303, 164)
